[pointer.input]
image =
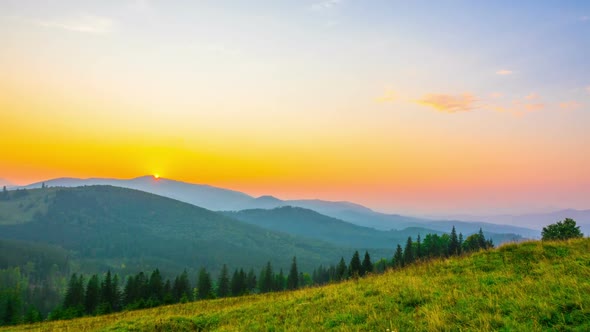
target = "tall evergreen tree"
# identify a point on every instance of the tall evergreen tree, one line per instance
(251, 281)
(74, 299)
(293, 278)
(367, 266)
(460, 243)
(92, 298)
(266, 280)
(354, 269)
(454, 243)
(107, 294)
(280, 281)
(418, 247)
(481, 239)
(341, 270)
(205, 287)
(398, 257)
(409, 252)
(223, 289)
(181, 290)
(156, 288)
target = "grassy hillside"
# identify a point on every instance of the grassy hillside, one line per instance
(125, 230)
(532, 286)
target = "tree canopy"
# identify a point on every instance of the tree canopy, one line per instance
(562, 230)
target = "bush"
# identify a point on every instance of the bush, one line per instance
(562, 230)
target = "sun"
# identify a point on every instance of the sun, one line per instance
(156, 176)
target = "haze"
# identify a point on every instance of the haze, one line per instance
(391, 104)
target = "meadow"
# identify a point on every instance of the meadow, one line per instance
(531, 286)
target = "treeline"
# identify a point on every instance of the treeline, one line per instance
(98, 295)
(431, 247)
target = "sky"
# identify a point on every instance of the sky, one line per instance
(419, 107)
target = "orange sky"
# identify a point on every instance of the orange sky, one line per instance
(292, 107)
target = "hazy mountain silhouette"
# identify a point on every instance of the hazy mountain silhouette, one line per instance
(535, 220)
(109, 227)
(219, 199)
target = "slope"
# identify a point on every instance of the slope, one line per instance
(532, 286)
(310, 224)
(218, 199)
(127, 230)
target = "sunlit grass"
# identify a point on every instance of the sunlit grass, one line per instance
(532, 286)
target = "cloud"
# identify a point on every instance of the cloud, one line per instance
(588, 89)
(504, 72)
(325, 4)
(585, 18)
(496, 95)
(570, 105)
(84, 23)
(519, 106)
(388, 96)
(449, 103)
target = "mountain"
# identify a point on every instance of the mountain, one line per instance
(125, 230)
(535, 220)
(533, 286)
(205, 196)
(220, 199)
(311, 224)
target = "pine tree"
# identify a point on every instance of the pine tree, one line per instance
(223, 283)
(354, 269)
(418, 247)
(293, 278)
(367, 266)
(460, 243)
(481, 239)
(156, 288)
(341, 270)
(92, 298)
(74, 299)
(107, 296)
(266, 279)
(398, 257)
(454, 243)
(251, 281)
(181, 290)
(409, 252)
(205, 288)
(280, 281)
(168, 297)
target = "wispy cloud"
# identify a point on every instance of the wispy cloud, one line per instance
(504, 72)
(570, 105)
(388, 95)
(449, 103)
(496, 95)
(585, 18)
(83, 23)
(325, 4)
(518, 106)
(588, 89)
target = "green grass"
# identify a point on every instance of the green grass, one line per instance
(533, 286)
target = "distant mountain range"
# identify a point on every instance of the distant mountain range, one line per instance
(125, 230)
(219, 199)
(310, 224)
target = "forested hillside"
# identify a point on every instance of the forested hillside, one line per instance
(531, 286)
